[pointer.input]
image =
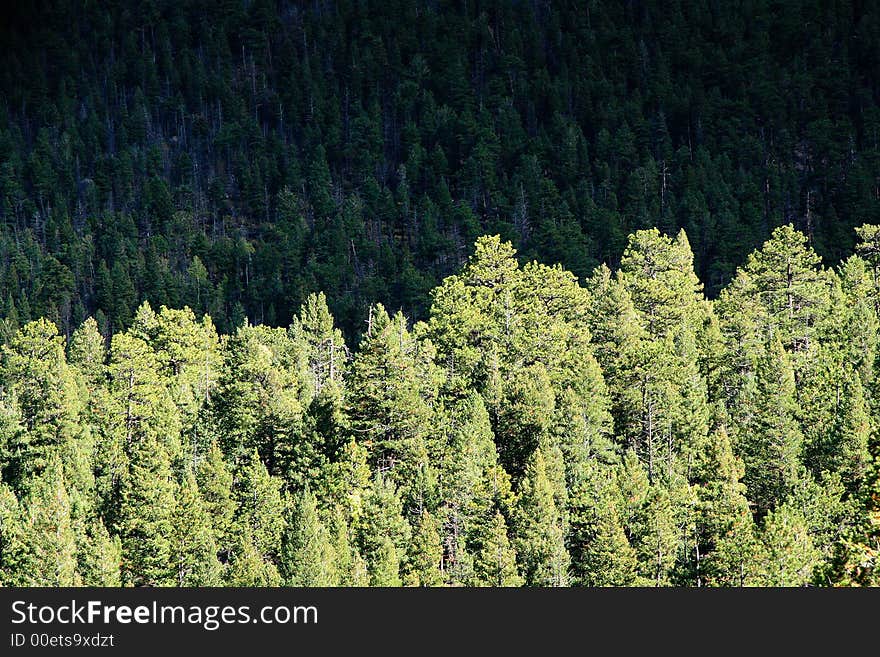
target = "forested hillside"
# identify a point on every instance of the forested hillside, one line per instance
(236, 156)
(531, 431)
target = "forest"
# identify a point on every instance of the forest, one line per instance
(530, 431)
(439, 293)
(236, 156)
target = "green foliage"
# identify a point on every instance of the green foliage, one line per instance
(769, 437)
(146, 523)
(425, 553)
(308, 556)
(229, 172)
(260, 517)
(600, 550)
(532, 431)
(34, 365)
(383, 533)
(539, 535)
(49, 531)
(193, 548)
(15, 558)
(495, 563)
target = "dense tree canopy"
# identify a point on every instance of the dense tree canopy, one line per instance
(439, 293)
(235, 156)
(532, 431)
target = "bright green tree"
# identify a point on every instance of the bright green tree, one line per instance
(383, 533)
(308, 556)
(146, 523)
(49, 531)
(495, 562)
(260, 507)
(425, 553)
(539, 534)
(215, 483)
(193, 548)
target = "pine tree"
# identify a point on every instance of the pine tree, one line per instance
(34, 365)
(781, 293)
(215, 483)
(258, 404)
(658, 395)
(523, 417)
(187, 357)
(327, 354)
(425, 553)
(659, 274)
(383, 533)
(539, 535)
(869, 249)
(260, 507)
(15, 557)
(146, 523)
(787, 556)
(769, 439)
(600, 551)
(734, 562)
(308, 557)
(384, 565)
(193, 549)
(495, 563)
(99, 556)
(722, 509)
(467, 457)
(49, 531)
(86, 352)
(391, 386)
(351, 569)
(141, 396)
(850, 435)
(248, 567)
(649, 521)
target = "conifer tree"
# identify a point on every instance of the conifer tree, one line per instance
(722, 509)
(248, 567)
(15, 558)
(734, 562)
(495, 562)
(327, 354)
(659, 274)
(787, 555)
(146, 523)
(539, 535)
(215, 483)
(187, 358)
(99, 556)
(424, 554)
(769, 439)
(49, 531)
(781, 293)
(193, 548)
(260, 507)
(34, 364)
(86, 352)
(141, 396)
(468, 455)
(351, 569)
(391, 387)
(308, 556)
(649, 521)
(383, 533)
(600, 551)
(258, 403)
(384, 565)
